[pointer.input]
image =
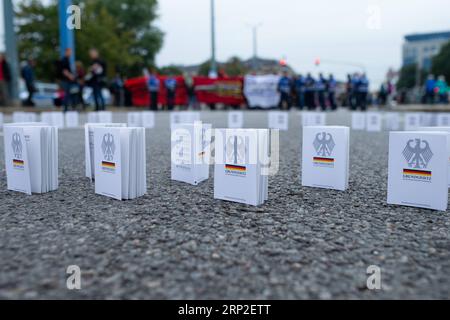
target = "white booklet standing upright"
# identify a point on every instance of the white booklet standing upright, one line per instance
(89, 145)
(326, 154)
(120, 162)
(418, 169)
(374, 122)
(100, 117)
(190, 152)
(313, 119)
(278, 120)
(235, 119)
(412, 121)
(72, 119)
(31, 157)
(55, 119)
(180, 117)
(359, 121)
(443, 120)
(392, 121)
(144, 119)
(1, 120)
(240, 174)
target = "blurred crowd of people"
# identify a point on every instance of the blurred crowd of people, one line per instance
(436, 90)
(307, 92)
(300, 91)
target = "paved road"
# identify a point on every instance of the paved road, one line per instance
(177, 242)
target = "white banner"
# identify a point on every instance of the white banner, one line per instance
(262, 91)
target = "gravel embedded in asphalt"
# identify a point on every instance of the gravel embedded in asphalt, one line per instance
(177, 242)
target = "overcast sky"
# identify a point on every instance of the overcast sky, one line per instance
(366, 32)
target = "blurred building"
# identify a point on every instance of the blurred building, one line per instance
(421, 48)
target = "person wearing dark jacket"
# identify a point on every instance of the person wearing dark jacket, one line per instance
(310, 84)
(285, 89)
(321, 86)
(67, 78)
(27, 73)
(171, 87)
(5, 78)
(96, 79)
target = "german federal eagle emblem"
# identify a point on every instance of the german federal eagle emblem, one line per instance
(16, 145)
(108, 147)
(418, 153)
(324, 144)
(235, 150)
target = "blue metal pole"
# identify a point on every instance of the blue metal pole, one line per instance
(66, 35)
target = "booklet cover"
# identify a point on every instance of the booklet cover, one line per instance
(278, 120)
(326, 153)
(235, 119)
(120, 162)
(89, 145)
(16, 160)
(374, 122)
(190, 152)
(313, 119)
(31, 157)
(418, 169)
(358, 121)
(72, 119)
(238, 165)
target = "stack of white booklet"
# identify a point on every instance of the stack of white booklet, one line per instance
(241, 165)
(89, 145)
(418, 169)
(191, 149)
(120, 162)
(31, 157)
(144, 119)
(326, 153)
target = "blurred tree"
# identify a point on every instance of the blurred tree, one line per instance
(204, 68)
(38, 36)
(171, 70)
(235, 67)
(121, 30)
(441, 63)
(408, 77)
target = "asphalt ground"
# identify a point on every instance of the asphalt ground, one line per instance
(177, 242)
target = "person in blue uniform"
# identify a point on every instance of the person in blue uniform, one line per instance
(310, 90)
(331, 90)
(321, 85)
(154, 87)
(300, 91)
(171, 87)
(285, 89)
(362, 92)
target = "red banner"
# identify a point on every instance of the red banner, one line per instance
(228, 91)
(141, 95)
